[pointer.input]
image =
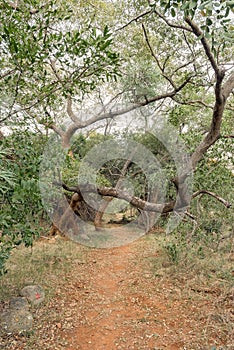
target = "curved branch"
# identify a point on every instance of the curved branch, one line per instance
(136, 202)
(220, 199)
(111, 114)
(172, 25)
(222, 92)
(117, 193)
(70, 110)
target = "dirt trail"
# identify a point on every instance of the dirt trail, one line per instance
(125, 298)
(107, 310)
(124, 307)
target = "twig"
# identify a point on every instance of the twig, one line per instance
(155, 57)
(134, 20)
(227, 136)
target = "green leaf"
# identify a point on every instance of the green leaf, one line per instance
(173, 13)
(106, 30)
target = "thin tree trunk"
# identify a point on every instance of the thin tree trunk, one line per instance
(106, 201)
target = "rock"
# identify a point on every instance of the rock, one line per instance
(15, 321)
(17, 318)
(84, 236)
(19, 303)
(34, 294)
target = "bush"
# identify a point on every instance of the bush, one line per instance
(20, 202)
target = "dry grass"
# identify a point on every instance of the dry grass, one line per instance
(194, 290)
(46, 263)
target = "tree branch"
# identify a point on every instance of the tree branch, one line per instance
(104, 204)
(220, 199)
(155, 57)
(199, 34)
(172, 25)
(228, 86)
(134, 20)
(227, 136)
(117, 193)
(183, 66)
(56, 129)
(221, 95)
(199, 102)
(70, 111)
(79, 125)
(136, 202)
(9, 72)
(55, 70)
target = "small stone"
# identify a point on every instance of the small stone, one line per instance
(19, 303)
(15, 321)
(34, 294)
(85, 237)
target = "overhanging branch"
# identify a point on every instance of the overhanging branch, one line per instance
(111, 114)
(117, 193)
(136, 202)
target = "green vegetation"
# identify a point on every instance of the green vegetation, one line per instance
(21, 207)
(116, 70)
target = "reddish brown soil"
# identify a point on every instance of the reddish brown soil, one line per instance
(123, 306)
(116, 300)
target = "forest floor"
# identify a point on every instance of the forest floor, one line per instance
(126, 298)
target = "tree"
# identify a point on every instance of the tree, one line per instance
(193, 55)
(47, 56)
(188, 45)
